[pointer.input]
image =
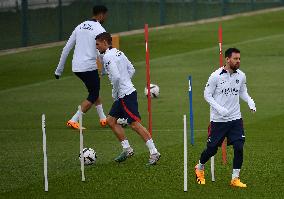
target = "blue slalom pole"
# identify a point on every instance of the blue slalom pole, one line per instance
(190, 110)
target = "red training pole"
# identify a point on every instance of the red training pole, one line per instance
(224, 144)
(220, 46)
(148, 78)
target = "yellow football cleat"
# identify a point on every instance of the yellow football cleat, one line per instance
(199, 176)
(74, 125)
(103, 122)
(236, 182)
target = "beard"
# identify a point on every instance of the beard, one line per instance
(102, 52)
(235, 67)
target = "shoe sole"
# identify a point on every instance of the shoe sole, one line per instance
(197, 179)
(237, 186)
(149, 164)
(103, 123)
(128, 156)
(70, 125)
(83, 128)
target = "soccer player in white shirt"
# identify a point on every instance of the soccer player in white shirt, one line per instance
(224, 88)
(84, 63)
(120, 71)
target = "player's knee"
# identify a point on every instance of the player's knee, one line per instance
(135, 125)
(238, 145)
(111, 121)
(212, 150)
(93, 96)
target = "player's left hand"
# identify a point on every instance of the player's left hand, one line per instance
(56, 76)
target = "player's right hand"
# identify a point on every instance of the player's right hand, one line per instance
(56, 76)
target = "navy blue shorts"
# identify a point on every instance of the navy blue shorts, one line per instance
(91, 80)
(217, 131)
(126, 107)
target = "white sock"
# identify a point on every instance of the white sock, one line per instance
(236, 173)
(75, 117)
(125, 144)
(200, 166)
(151, 146)
(100, 111)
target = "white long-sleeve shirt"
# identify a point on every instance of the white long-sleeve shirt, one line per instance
(85, 52)
(223, 91)
(120, 71)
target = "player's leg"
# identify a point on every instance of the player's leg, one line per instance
(216, 135)
(100, 112)
(116, 128)
(237, 139)
(145, 135)
(200, 167)
(130, 107)
(115, 113)
(98, 101)
(73, 122)
(92, 83)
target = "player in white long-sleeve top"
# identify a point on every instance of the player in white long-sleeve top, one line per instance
(224, 88)
(84, 63)
(120, 71)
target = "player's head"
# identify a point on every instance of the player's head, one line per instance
(103, 41)
(100, 13)
(233, 58)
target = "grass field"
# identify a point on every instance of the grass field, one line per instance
(27, 89)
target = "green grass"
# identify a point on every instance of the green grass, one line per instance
(27, 89)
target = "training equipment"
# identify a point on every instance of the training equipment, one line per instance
(224, 144)
(81, 143)
(44, 152)
(199, 174)
(184, 154)
(90, 156)
(220, 46)
(122, 122)
(154, 91)
(148, 78)
(236, 182)
(126, 153)
(190, 110)
(212, 164)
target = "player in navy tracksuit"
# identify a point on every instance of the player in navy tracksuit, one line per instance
(224, 88)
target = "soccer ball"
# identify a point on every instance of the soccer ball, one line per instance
(122, 121)
(154, 90)
(90, 156)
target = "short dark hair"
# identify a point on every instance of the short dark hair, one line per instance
(229, 51)
(105, 36)
(99, 9)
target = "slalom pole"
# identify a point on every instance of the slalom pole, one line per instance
(81, 143)
(224, 144)
(44, 152)
(148, 78)
(190, 110)
(184, 154)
